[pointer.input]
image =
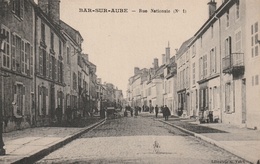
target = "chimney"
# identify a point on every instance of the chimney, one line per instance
(212, 7)
(136, 70)
(163, 59)
(155, 63)
(51, 8)
(167, 54)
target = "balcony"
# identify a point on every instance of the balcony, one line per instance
(234, 64)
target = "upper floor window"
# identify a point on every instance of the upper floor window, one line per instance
(74, 81)
(213, 61)
(43, 32)
(193, 50)
(254, 39)
(6, 61)
(212, 31)
(237, 9)
(228, 46)
(60, 48)
(18, 8)
(193, 73)
(52, 41)
(227, 18)
(68, 55)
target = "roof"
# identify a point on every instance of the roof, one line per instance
(184, 47)
(219, 12)
(70, 30)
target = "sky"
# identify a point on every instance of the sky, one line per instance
(118, 42)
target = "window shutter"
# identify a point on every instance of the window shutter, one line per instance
(47, 65)
(230, 45)
(31, 61)
(15, 93)
(39, 100)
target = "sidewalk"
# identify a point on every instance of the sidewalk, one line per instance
(242, 142)
(29, 145)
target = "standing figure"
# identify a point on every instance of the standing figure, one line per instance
(167, 112)
(136, 111)
(131, 111)
(59, 113)
(156, 111)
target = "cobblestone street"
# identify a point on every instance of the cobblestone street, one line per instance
(138, 140)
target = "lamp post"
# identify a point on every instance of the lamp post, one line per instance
(2, 150)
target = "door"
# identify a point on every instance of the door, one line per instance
(243, 101)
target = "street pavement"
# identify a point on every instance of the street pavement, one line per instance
(29, 145)
(140, 139)
(240, 141)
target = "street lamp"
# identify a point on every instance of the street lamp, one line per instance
(2, 150)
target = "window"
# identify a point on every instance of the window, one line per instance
(238, 41)
(205, 73)
(227, 18)
(201, 68)
(13, 51)
(193, 50)
(52, 41)
(61, 72)
(40, 61)
(213, 60)
(256, 80)
(50, 67)
(237, 9)
(79, 78)
(44, 69)
(18, 52)
(19, 98)
(212, 31)
(74, 81)
(22, 57)
(43, 98)
(68, 55)
(228, 97)
(254, 40)
(193, 73)
(27, 58)
(60, 48)
(43, 33)
(18, 8)
(228, 46)
(31, 61)
(6, 61)
(187, 77)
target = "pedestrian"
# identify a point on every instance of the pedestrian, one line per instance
(68, 113)
(136, 111)
(58, 113)
(131, 111)
(167, 113)
(156, 111)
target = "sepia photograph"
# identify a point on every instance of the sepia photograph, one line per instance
(129, 81)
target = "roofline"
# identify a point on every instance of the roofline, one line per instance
(211, 20)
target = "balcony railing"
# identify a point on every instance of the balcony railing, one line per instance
(234, 64)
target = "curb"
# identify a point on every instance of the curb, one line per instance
(218, 144)
(41, 153)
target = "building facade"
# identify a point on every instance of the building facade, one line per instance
(17, 64)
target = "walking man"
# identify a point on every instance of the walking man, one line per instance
(167, 112)
(156, 111)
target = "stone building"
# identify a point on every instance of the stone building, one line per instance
(49, 57)
(17, 24)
